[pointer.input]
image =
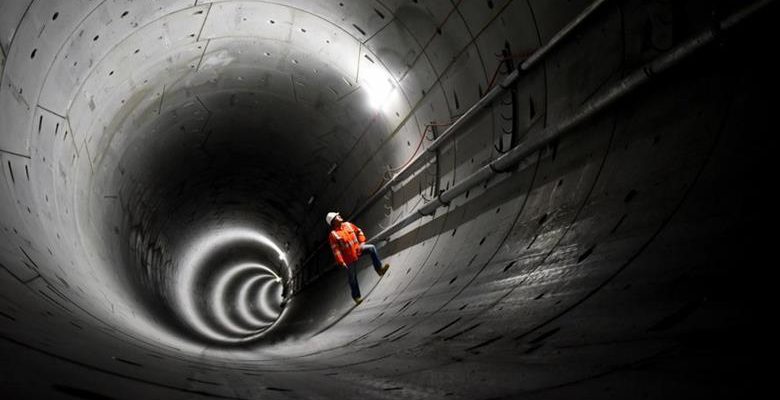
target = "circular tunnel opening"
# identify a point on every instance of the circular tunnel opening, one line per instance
(179, 138)
(215, 178)
(194, 216)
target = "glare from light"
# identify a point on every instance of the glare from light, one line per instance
(191, 264)
(218, 296)
(378, 84)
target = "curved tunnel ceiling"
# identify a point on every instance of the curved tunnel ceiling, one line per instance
(167, 167)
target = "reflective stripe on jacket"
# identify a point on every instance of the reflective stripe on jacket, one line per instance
(345, 243)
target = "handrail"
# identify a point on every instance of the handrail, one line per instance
(533, 60)
(627, 85)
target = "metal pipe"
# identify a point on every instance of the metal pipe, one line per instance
(448, 134)
(472, 111)
(617, 92)
(558, 38)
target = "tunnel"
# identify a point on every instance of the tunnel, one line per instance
(572, 197)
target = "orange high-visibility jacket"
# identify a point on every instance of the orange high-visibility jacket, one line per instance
(345, 243)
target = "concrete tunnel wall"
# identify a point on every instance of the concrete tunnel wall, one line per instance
(610, 263)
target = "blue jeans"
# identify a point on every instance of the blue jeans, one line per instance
(352, 268)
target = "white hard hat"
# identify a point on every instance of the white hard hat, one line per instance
(330, 216)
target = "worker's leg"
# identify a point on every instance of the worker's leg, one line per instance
(371, 249)
(352, 278)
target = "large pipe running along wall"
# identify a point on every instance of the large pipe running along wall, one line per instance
(167, 167)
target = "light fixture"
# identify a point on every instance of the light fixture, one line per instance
(377, 83)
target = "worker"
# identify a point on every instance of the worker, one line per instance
(348, 244)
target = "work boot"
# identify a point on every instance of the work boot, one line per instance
(357, 300)
(384, 269)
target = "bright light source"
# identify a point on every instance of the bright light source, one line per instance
(378, 85)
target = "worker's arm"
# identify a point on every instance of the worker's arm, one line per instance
(336, 252)
(360, 235)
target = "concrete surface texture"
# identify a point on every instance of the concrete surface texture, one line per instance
(593, 228)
